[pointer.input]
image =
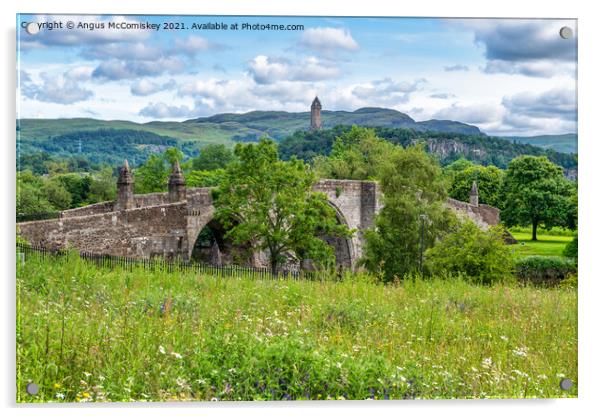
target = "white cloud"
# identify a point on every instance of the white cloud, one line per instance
(480, 113)
(328, 39)
(116, 69)
(192, 45)
(266, 71)
(162, 111)
(144, 87)
(59, 89)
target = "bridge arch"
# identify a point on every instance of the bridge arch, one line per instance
(208, 244)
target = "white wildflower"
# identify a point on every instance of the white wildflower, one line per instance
(520, 352)
(177, 355)
(161, 349)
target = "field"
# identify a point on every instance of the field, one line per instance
(546, 244)
(86, 333)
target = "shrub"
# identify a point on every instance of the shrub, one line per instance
(545, 270)
(479, 255)
(571, 250)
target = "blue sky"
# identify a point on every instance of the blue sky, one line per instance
(508, 77)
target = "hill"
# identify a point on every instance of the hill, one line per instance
(109, 141)
(447, 147)
(566, 143)
(279, 124)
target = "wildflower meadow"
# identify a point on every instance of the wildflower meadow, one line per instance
(92, 334)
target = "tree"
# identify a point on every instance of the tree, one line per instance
(269, 203)
(480, 255)
(78, 186)
(535, 193)
(153, 174)
(212, 157)
(356, 154)
(57, 194)
(30, 194)
(103, 186)
(489, 179)
(204, 178)
(413, 216)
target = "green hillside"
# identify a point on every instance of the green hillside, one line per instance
(279, 124)
(109, 141)
(566, 143)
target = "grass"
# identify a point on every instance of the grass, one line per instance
(91, 334)
(546, 245)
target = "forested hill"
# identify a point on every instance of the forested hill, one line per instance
(279, 124)
(446, 146)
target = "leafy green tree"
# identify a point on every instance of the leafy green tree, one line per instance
(535, 193)
(490, 180)
(152, 176)
(479, 255)
(270, 203)
(356, 154)
(57, 194)
(103, 186)
(212, 157)
(204, 178)
(413, 216)
(457, 166)
(31, 198)
(78, 186)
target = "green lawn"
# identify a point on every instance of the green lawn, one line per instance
(546, 245)
(86, 333)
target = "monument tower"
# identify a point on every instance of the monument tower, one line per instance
(316, 121)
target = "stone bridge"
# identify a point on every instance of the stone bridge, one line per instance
(169, 224)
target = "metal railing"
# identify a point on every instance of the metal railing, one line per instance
(128, 263)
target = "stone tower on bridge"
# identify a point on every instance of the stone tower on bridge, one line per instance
(316, 120)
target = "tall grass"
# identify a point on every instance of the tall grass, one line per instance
(91, 334)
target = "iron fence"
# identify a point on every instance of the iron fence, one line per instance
(128, 263)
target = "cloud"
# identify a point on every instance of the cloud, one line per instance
(24, 76)
(387, 91)
(116, 69)
(162, 110)
(144, 87)
(528, 47)
(456, 67)
(442, 96)
(470, 113)
(556, 103)
(265, 70)
(541, 68)
(328, 39)
(130, 51)
(59, 89)
(192, 45)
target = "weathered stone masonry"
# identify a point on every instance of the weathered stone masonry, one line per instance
(168, 224)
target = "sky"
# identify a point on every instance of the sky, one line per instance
(506, 76)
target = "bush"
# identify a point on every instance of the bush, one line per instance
(545, 270)
(571, 250)
(479, 255)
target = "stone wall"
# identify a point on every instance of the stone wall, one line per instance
(483, 215)
(140, 232)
